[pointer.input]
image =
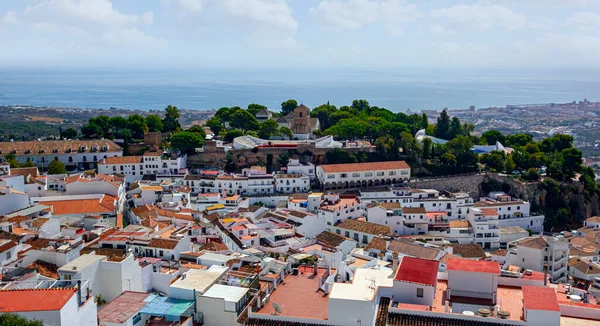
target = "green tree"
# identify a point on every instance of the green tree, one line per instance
(283, 159)
(124, 134)
(557, 142)
(232, 134)
(103, 122)
(154, 123)
(409, 145)
(361, 105)
(348, 129)
(455, 128)
(493, 136)
(244, 120)
(461, 148)
(215, 125)
(268, 129)
(442, 128)
(91, 131)
(11, 319)
(255, 108)
(448, 158)
(531, 174)
(69, 133)
(137, 124)
(186, 142)
(516, 140)
(494, 160)
(198, 130)
(571, 161)
(12, 160)
(323, 112)
(286, 132)
(117, 123)
(56, 167)
(171, 120)
(509, 164)
(288, 106)
(427, 147)
(28, 164)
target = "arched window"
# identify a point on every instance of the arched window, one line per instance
(300, 114)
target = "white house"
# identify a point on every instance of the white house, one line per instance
(335, 208)
(55, 307)
(475, 279)
(151, 162)
(534, 252)
(306, 169)
(339, 176)
(222, 304)
(291, 183)
(540, 306)
(415, 281)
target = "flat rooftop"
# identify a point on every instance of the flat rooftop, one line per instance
(123, 307)
(299, 296)
(361, 287)
(226, 292)
(199, 279)
(81, 262)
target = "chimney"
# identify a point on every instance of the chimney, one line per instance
(545, 274)
(394, 261)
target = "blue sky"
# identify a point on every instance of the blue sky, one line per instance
(158, 34)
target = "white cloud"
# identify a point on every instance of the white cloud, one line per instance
(148, 17)
(271, 13)
(480, 16)
(97, 11)
(132, 37)
(350, 15)
(187, 5)
(585, 20)
(560, 50)
(10, 18)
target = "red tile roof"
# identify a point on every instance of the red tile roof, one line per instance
(540, 298)
(105, 204)
(415, 270)
(121, 160)
(476, 266)
(489, 211)
(163, 243)
(371, 166)
(34, 299)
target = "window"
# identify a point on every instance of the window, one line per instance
(347, 234)
(392, 173)
(379, 174)
(365, 239)
(368, 174)
(8, 255)
(337, 231)
(161, 253)
(70, 158)
(356, 175)
(419, 292)
(331, 176)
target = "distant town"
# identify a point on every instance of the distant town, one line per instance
(300, 216)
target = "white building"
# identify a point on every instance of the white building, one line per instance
(335, 208)
(222, 304)
(533, 253)
(415, 281)
(153, 162)
(291, 183)
(306, 169)
(55, 307)
(74, 154)
(360, 231)
(351, 175)
(512, 212)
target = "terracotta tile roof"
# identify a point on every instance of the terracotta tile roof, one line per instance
(480, 204)
(25, 172)
(38, 222)
(535, 243)
(489, 211)
(112, 254)
(472, 250)
(365, 227)
(419, 271)
(475, 266)
(61, 146)
(584, 266)
(414, 250)
(594, 219)
(46, 269)
(22, 300)
(16, 219)
(540, 298)
(214, 246)
(331, 239)
(414, 210)
(582, 252)
(390, 205)
(163, 243)
(154, 152)
(446, 257)
(459, 224)
(371, 166)
(7, 245)
(105, 204)
(39, 243)
(500, 252)
(377, 244)
(121, 160)
(10, 236)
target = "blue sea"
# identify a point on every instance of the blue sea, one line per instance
(394, 89)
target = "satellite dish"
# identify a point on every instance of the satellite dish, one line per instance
(277, 307)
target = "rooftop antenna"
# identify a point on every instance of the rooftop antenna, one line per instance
(277, 307)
